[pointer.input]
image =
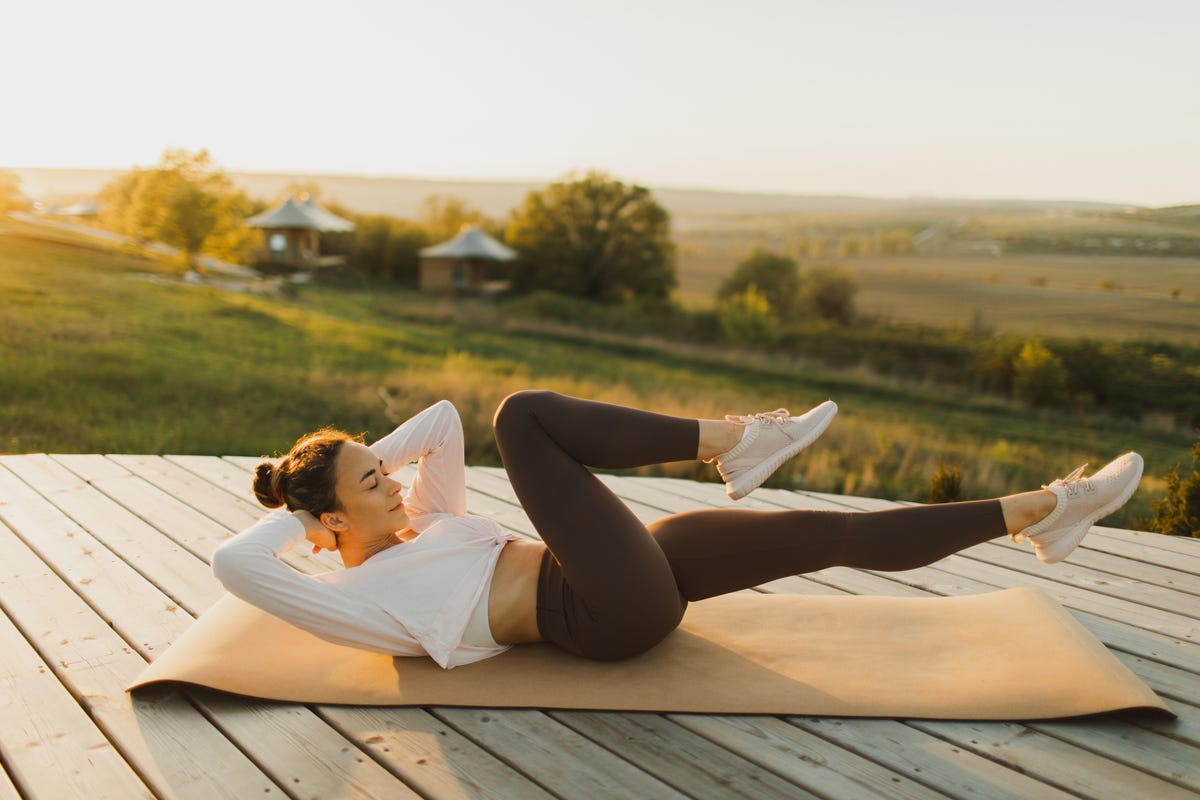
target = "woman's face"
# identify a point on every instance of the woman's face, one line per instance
(372, 508)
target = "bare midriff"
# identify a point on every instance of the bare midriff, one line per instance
(512, 603)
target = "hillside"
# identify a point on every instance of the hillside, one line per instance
(107, 352)
(402, 196)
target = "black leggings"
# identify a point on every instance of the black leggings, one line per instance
(611, 587)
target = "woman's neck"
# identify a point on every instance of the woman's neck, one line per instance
(354, 552)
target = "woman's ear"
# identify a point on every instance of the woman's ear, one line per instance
(333, 521)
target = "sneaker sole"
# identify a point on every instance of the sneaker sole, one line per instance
(746, 483)
(1103, 512)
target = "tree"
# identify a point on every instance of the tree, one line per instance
(183, 201)
(830, 292)
(775, 276)
(387, 247)
(11, 198)
(593, 237)
(442, 217)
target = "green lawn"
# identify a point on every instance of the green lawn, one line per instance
(100, 353)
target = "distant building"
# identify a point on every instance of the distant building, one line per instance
(468, 263)
(290, 234)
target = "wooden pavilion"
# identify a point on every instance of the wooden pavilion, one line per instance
(468, 263)
(290, 233)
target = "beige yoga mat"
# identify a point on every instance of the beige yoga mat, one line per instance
(1012, 654)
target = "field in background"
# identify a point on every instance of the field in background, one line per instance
(970, 277)
(102, 352)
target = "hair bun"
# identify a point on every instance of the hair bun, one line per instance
(266, 485)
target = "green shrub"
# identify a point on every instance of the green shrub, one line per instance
(946, 485)
(1039, 377)
(774, 276)
(1177, 513)
(747, 319)
(830, 293)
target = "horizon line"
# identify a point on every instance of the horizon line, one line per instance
(664, 187)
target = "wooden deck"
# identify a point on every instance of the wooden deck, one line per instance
(104, 561)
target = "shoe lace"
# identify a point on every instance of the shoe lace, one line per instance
(1073, 482)
(778, 416)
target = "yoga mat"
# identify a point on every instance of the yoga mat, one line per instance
(1012, 654)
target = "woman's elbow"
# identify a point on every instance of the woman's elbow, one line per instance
(225, 565)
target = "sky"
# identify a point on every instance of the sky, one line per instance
(1039, 99)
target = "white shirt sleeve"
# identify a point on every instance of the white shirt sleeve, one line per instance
(248, 566)
(434, 439)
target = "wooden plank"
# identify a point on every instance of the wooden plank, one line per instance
(197, 532)
(233, 512)
(158, 733)
(1071, 573)
(1184, 728)
(1150, 574)
(432, 757)
(7, 790)
(90, 568)
(150, 621)
(1134, 552)
(248, 463)
(1070, 768)
(1121, 742)
(928, 759)
(559, 759)
(187, 527)
(689, 763)
(220, 472)
(807, 760)
(49, 743)
(156, 558)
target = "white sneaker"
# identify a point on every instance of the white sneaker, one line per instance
(770, 438)
(1081, 501)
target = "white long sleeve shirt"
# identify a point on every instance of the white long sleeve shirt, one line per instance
(415, 598)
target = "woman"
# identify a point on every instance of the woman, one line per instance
(423, 577)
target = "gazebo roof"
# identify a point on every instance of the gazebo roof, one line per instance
(472, 242)
(305, 214)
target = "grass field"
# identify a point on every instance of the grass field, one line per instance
(1107, 296)
(102, 352)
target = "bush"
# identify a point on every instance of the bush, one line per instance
(747, 319)
(946, 485)
(1039, 377)
(830, 293)
(1177, 513)
(774, 276)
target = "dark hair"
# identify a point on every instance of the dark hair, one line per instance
(305, 478)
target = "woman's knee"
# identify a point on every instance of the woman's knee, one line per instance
(520, 405)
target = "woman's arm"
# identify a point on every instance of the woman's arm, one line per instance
(248, 566)
(433, 438)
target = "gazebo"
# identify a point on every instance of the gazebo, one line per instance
(466, 263)
(290, 231)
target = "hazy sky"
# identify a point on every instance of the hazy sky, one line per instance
(1072, 99)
